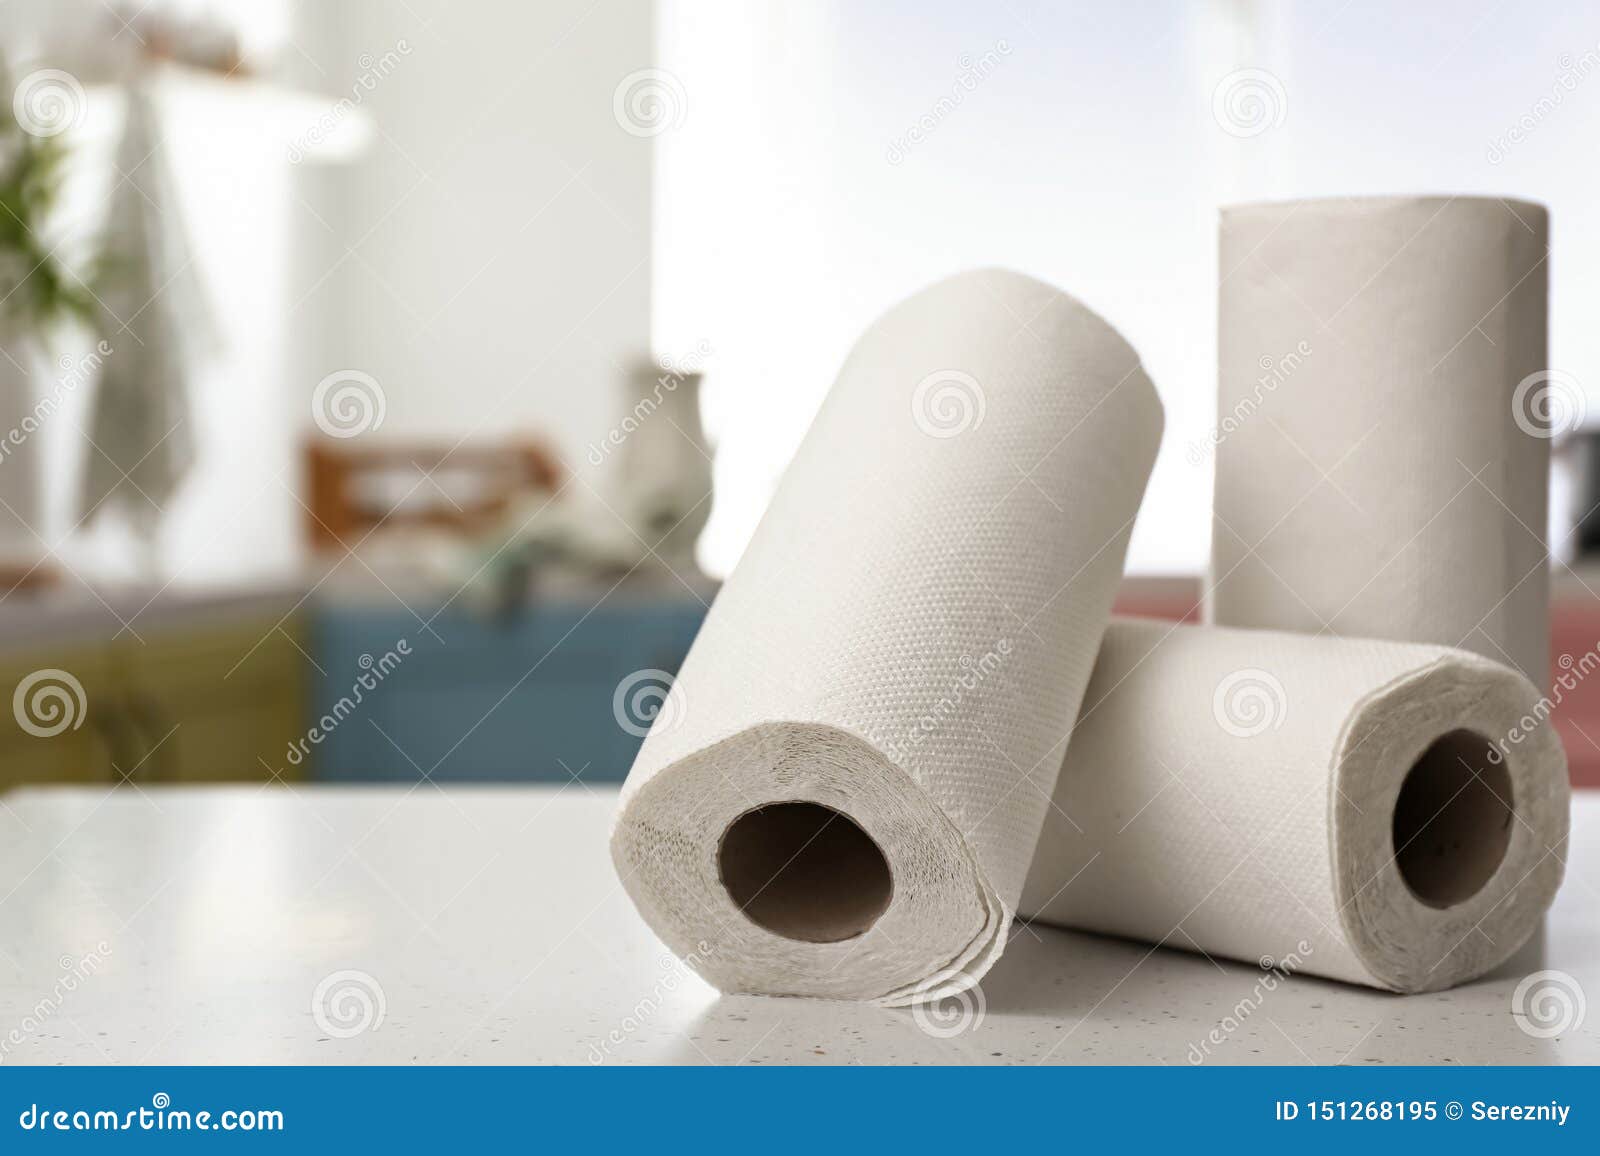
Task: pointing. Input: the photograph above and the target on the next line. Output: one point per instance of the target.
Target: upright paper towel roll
(1385, 813)
(1384, 408)
(841, 794)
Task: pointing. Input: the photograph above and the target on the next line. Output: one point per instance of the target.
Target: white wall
(495, 256)
(488, 260)
(792, 209)
(794, 206)
(222, 144)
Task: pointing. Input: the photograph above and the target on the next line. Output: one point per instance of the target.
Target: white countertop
(195, 925)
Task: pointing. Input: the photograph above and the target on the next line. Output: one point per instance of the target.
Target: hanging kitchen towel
(1385, 406)
(840, 795)
(154, 315)
(1386, 813)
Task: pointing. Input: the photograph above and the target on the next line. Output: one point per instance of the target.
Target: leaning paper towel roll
(841, 794)
(1384, 410)
(1400, 809)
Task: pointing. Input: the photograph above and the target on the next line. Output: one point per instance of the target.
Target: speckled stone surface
(243, 925)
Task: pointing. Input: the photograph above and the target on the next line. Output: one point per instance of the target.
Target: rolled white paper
(1385, 813)
(841, 794)
(1385, 406)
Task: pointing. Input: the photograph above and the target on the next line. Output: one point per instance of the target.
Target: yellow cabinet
(213, 703)
(217, 704)
(60, 723)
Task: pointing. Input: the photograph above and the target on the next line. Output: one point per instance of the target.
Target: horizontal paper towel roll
(841, 793)
(1399, 809)
(1384, 407)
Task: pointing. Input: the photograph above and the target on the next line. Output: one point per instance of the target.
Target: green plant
(35, 287)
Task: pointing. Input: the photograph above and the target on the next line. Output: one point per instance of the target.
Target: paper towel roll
(841, 793)
(1384, 406)
(1385, 813)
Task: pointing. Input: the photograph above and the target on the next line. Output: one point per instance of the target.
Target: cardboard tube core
(1452, 820)
(804, 871)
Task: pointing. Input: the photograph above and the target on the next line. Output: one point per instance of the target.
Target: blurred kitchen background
(387, 383)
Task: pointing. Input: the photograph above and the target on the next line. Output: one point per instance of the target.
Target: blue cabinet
(479, 700)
